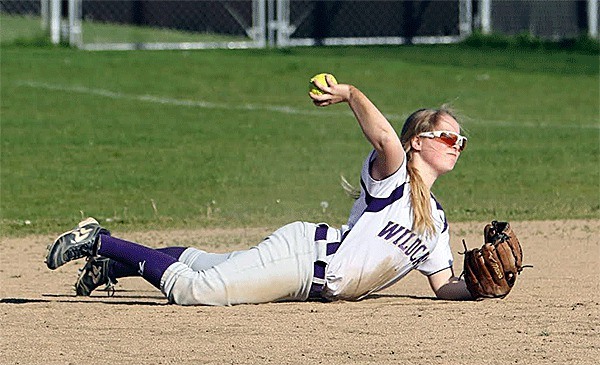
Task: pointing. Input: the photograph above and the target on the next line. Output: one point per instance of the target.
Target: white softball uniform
(303, 260)
(280, 268)
(380, 247)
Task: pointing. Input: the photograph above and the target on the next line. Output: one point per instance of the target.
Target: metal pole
(44, 14)
(283, 22)
(75, 23)
(258, 22)
(485, 8)
(465, 16)
(55, 21)
(593, 18)
(271, 25)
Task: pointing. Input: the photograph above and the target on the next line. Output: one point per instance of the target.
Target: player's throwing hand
(326, 91)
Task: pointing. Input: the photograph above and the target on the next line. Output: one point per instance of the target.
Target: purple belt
(319, 266)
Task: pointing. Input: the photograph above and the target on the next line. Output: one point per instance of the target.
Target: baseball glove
(491, 271)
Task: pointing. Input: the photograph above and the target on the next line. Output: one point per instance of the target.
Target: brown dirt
(551, 316)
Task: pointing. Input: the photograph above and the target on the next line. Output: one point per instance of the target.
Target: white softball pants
(280, 268)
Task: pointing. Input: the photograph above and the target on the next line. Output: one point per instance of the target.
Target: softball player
(395, 226)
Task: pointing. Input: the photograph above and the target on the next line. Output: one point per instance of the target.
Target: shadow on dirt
(70, 299)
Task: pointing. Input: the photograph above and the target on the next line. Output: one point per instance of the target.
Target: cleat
(81, 241)
(94, 273)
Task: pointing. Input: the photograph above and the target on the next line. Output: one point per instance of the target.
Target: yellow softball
(321, 78)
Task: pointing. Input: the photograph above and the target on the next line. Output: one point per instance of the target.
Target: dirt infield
(550, 317)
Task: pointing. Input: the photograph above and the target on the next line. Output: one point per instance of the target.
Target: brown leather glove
(491, 271)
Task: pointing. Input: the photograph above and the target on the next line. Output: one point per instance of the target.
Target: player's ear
(416, 143)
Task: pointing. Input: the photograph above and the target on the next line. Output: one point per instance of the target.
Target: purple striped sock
(151, 263)
(118, 269)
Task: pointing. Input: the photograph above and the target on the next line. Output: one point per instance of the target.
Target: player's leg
(99, 271)
(103, 271)
(148, 262)
(199, 260)
(279, 268)
(196, 259)
(117, 270)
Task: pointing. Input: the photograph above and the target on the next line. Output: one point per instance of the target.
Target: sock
(151, 263)
(118, 269)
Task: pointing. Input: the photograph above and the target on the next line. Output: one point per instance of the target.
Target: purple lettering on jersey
(407, 241)
(391, 230)
(407, 236)
(413, 247)
(420, 260)
(413, 255)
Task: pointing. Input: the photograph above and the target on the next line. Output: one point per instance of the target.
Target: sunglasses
(449, 138)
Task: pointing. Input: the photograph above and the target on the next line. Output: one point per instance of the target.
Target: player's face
(437, 153)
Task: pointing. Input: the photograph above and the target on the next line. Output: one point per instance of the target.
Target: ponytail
(420, 200)
(422, 120)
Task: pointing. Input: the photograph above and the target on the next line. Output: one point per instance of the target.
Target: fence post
(55, 21)
(271, 23)
(283, 22)
(45, 14)
(593, 18)
(485, 9)
(465, 13)
(259, 21)
(75, 22)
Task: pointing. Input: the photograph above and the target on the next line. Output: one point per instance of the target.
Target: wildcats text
(408, 242)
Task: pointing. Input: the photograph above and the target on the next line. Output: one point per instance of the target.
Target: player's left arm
(447, 286)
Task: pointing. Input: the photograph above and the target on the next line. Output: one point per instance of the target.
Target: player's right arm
(376, 128)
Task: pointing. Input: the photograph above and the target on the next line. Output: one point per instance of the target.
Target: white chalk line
(265, 107)
(172, 101)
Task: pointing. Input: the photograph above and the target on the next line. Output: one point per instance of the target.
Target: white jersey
(380, 247)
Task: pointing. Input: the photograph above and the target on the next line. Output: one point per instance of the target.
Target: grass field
(227, 146)
(15, 28)
(22, 29)
(229, 138)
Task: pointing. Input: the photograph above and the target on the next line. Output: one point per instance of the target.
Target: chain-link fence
(549, 19)
(147, 24)
(373, 22)
(171, 24)
(21, 8)
(168, 24)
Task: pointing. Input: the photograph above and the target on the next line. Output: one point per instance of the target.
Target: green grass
(19, 29)
(79, 134)
(583, 44)
(95, 32)
(24, 30)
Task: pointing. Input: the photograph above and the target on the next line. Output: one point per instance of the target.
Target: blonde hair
(422, 120)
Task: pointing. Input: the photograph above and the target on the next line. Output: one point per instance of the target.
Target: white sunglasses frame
(461, 141)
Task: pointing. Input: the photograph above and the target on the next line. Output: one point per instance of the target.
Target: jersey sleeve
(440, 258)
(381, 188)
(371, 188)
